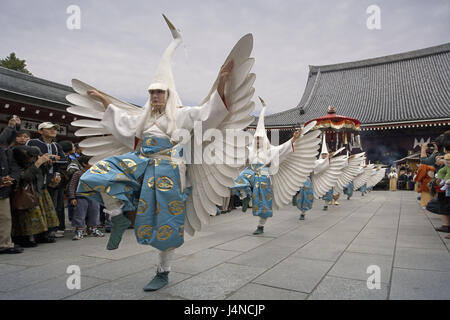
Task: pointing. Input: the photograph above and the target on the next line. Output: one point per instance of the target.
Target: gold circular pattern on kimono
(122, 176)
(248, 176)
(310, 197)
(268, 196)
(151, 183)
(150, 142)
(100, 189)
(164, 232)
(164, 183)
(257, 185)
(173, 164)
(181, 231)
(158, 208)
(253, 196)
(145, 231)
(128, 165)
(265, 209)
(85, 186)
(100, 167)
(264, 185)
(142, 207)
(176, 207)
(157, 162)
(255, 207)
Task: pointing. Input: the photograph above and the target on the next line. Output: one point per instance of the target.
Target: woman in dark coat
(35, 221)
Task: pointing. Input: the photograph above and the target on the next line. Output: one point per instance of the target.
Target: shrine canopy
(336, 123)
(340, 131)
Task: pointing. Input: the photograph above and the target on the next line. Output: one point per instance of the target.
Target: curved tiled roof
(410, 86)
(36, 88)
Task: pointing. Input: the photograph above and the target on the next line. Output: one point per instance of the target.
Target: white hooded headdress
(324, 145)
(163, 80)
(262, 134)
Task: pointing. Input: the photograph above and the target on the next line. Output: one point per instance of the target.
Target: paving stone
(353, 265)
(121, 268)
(215, 284)
(203, 260)
(128, 288)
(417, 241)
(32, 275)
(321, 250)
(259, 292)
(419, 285)
(244, 243)
(52, 289)
(7, 268)
(372, 246)
(264, 256)
(333, 288)
(294, 273)
(426, 259)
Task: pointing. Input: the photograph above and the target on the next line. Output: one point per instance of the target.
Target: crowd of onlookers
(433, 178)
(39, 178)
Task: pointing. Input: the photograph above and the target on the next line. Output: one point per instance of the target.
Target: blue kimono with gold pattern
(146, 181)
(304, 198)
(255, 181)
(348, 189)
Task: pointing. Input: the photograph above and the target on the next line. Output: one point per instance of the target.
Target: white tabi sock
(262, 222)
(165, 260)
(113, 207)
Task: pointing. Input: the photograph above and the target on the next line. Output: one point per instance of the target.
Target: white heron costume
(170, 195)
(275, 173)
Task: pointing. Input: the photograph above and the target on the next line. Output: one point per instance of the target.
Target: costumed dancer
(304, 198)
(349, 172)
(138, 162)
(275, 173)
(360, 181)
(326, 173)
(377, 174)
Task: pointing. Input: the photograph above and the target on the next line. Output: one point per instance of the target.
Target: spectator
(423, 178)
(22, 138)
(441, 204)
(9, 174)
(30, 223)
(52, 178)
(83, 206)
(9, 133)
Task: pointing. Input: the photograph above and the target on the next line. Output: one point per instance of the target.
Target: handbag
(23, 198)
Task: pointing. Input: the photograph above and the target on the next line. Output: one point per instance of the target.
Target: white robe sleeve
(211, 114)
(121, 124)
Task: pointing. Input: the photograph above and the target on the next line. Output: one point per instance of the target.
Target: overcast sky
(120, 43)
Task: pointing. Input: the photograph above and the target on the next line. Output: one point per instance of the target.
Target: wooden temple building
(399, 99)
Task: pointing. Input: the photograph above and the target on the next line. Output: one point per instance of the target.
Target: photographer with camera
(53, 173)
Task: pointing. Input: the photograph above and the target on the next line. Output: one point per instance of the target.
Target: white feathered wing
(349, 172)
(102, 143)
(327, 179)
(296, 167)
(211, 181)
(363, 177)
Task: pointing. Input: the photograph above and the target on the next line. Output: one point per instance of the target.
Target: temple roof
(401, 88)
(33, 89)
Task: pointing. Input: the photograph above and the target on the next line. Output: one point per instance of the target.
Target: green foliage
(14, 63)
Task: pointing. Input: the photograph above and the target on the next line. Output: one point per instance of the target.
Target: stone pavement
(324, 257)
